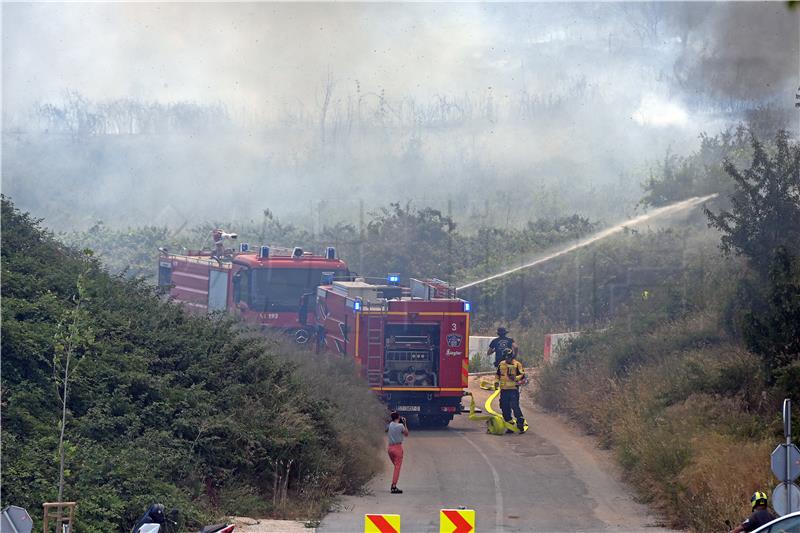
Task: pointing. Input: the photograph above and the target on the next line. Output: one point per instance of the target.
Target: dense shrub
(194, 412)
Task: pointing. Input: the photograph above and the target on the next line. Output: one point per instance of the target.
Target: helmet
(508, 352)
(501, 331)
(758, 498)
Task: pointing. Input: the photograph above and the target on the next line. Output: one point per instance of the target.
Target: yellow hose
(494, 420)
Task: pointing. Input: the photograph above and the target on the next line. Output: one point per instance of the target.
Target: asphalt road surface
(550, 479)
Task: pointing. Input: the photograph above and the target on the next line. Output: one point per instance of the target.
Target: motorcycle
(155, 520)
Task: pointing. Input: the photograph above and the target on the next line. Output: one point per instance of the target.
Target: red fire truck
(272, 286)
(410, 343)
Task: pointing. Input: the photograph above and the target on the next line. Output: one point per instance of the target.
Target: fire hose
(494, 420)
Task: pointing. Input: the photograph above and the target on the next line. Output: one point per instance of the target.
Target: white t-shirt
(396, 432)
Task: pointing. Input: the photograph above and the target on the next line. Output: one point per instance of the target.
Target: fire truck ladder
(375, 348)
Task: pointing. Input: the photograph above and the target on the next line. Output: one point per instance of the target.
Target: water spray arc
(661, 211)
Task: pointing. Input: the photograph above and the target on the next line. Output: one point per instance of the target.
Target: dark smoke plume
(741, 51)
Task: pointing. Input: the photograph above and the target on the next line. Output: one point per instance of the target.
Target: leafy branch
(74, 341)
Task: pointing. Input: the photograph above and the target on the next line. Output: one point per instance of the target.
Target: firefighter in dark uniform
(760, 516)
(499, 344)
(510, 375)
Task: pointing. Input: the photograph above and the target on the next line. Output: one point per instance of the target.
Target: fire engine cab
(272, 286)
(409, 343)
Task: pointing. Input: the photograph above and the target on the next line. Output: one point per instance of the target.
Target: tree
(675, 181)
(413, 242)
(764, 225)
(773, 328)
(74, 341)
(765, 206)
(700, 173)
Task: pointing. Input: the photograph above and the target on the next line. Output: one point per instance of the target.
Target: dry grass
(721, 475)
(681, 409)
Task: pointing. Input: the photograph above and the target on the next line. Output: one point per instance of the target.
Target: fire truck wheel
(301, 336)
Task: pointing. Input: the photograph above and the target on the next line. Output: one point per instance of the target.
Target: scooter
(154, 520)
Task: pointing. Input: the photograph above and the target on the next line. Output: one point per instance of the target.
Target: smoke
(742, 51)
(257, 56)
(162, 112)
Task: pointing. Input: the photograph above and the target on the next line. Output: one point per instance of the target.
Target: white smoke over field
(175, 112)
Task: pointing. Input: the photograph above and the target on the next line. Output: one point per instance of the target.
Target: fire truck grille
(408, 355)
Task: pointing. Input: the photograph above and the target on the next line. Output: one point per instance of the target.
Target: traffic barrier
(381, 523)
(456, 520)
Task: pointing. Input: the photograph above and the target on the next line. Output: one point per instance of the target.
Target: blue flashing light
(394, 279)
(244, 247)
(330, 252)
(467, 307)
(264, 252)
(357, 305)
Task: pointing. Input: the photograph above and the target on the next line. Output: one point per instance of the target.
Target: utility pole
(311, 205)
(361, 236)
(594, 289)
(577, 291)
(487, 253)
(449, 239)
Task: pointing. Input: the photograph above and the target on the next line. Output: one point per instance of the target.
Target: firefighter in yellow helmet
(510, 376)
(760, 516)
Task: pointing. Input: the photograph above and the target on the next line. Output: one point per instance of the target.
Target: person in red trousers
(397, 430)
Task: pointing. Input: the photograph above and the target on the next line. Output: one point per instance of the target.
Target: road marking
(498, 495)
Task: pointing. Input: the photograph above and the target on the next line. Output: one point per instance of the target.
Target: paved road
(550, 479)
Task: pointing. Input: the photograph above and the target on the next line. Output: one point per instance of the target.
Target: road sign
(381, 523)
(779, 498)
(456, 521)
(15, 519)
(778, 460)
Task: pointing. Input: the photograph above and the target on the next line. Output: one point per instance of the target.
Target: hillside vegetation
(686, 383)
(195, 412)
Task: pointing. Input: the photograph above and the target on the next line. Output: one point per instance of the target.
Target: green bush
(481, 362)
(195, 412)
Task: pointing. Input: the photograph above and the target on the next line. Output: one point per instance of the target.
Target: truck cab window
(241, 286)
(164, 273)
(280, 289)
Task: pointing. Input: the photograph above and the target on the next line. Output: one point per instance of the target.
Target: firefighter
(760, 516)
(499, 345)
(509, 377)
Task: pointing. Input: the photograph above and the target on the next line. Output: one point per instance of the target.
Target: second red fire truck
(270, 286)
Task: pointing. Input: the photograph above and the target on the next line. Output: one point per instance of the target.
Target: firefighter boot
(521, 425)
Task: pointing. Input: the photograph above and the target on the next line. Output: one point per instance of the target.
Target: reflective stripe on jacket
(510, 374)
